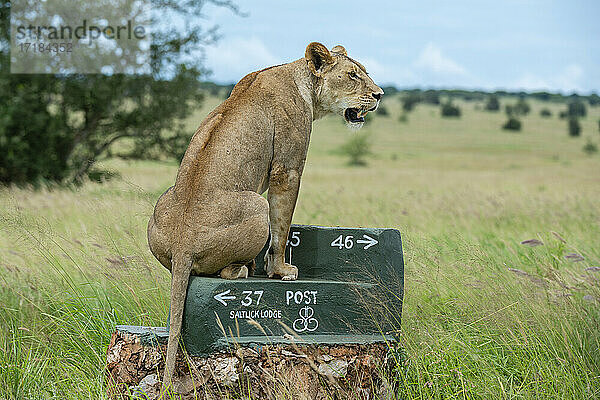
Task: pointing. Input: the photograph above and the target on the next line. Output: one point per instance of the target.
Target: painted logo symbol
(306, 322)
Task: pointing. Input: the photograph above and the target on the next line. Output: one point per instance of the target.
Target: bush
(522, 107)
(574, 127)
(390, 90)
(403, 118)
(409, 101)
(492, 103)
(513, 124)
(383, 111)
(590, 147)
(228, 90)
(562, 115)
(450, 110)
(545, 113)
(576, 108)
(543, 96)
(431, 97)
(357, 148)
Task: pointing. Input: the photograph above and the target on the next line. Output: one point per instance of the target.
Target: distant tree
(513, 124)
(493, 104)
(576, 108)
(390, 90)
(382, 110)
(590, 147)
(212, 88)
(594, 99)
(357, 148)
(522, 107)
(574, 127)
(229, 89)
(545, 113)
(410, 100)
(431, 97)
(450, 110)
(543, 96)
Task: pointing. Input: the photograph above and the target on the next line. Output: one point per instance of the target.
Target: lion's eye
(353, 75)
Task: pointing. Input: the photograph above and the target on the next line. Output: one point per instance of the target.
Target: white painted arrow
(370, 241)
(221, 297)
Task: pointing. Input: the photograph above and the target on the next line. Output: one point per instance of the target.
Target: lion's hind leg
(238, 232)
(234, 271)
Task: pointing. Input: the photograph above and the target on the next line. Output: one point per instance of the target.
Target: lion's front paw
(288, 272)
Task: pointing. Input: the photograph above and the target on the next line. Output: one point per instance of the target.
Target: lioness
(214, 220)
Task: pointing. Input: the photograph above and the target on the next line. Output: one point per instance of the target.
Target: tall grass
(63, 293)
(484, 315)
(486, 330)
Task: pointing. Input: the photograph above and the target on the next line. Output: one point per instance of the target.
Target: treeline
(434, 96)
(217, 90)
(430, 95)
(514, 104)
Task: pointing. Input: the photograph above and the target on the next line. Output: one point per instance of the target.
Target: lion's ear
(339, 49)
(318, 58)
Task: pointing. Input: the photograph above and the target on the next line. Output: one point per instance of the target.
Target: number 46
(341, 243)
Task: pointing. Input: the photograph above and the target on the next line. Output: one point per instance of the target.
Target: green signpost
(349, 290)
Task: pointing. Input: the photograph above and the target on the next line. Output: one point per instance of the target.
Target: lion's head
(344, 87)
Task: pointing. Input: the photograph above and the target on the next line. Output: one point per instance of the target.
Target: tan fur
(214, 219)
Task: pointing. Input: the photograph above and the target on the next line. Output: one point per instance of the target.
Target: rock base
(275, 371)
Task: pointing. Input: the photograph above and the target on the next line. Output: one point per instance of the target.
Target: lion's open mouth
(354, 115)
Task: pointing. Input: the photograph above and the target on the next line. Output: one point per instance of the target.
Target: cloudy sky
(509, 44)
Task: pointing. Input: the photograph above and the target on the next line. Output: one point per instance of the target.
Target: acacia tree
(56, 127)
(492, 104)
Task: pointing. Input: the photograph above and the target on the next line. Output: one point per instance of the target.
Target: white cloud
(385, 74)
(567, 80)
(530, 82)
(430, 68)
(374, 67)
(234, 57)
(432, 59)
(570, 78)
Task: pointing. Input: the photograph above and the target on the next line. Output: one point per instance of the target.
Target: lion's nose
(377, 96)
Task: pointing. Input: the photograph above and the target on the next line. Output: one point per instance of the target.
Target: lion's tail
(181, 269)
